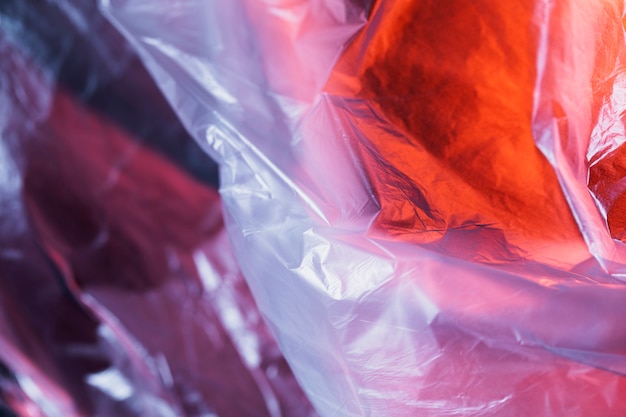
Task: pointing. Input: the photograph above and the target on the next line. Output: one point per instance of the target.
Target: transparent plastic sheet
(120, 295)
(426, 197)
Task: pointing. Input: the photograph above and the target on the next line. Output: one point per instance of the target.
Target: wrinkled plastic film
(424, 199)
(112, 302)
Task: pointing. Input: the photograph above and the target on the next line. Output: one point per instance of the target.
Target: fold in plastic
(426, 197)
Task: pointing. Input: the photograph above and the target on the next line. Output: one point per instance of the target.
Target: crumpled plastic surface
(120, 294)
(425, 197)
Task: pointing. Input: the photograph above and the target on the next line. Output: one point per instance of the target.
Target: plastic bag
(426, 197)
(120, 294)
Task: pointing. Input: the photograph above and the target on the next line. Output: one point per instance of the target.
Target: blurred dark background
(89, 59)
(95, 63)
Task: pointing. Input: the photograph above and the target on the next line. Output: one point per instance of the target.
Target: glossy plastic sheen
(426, 197)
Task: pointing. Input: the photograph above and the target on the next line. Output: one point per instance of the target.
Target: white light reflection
(210, 278)
(113, 383)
